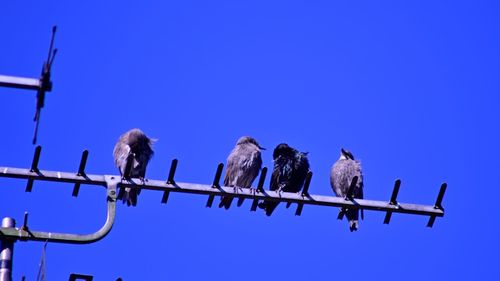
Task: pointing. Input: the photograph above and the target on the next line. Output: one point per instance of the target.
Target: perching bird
(243, 166)
(135, 145)
(342, 173)
(289, 173)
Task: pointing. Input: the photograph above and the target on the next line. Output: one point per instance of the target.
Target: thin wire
(41, 269)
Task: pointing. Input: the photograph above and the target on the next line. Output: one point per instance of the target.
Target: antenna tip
(54, 28)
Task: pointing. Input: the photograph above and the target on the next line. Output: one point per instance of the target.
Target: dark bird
(289, 173)
(341, 176)
(137, 147)
(243, 166)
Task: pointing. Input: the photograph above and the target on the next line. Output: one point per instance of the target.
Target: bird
(289, 173)
(243, 165)
(342, 174)
(137, 147)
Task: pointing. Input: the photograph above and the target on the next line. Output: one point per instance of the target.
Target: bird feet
(280, 192)
(252, 191)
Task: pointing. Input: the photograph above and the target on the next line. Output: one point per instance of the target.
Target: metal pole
(20, 82)
(6, 252)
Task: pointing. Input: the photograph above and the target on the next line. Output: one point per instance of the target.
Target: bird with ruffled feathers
(341, 176)
(243, 165)
(289, 173)
(137, 147)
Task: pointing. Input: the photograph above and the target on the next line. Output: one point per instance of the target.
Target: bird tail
(352, 217)
(225, 201)
(268, 207)
(130, 196)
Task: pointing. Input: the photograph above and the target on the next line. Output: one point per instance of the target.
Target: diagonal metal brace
(24, 234)
(34, 167)
(215, 184)
(438, 205)
(305, 193)
(170, 180)
(81, 172)
(260, 188)
(393, 200)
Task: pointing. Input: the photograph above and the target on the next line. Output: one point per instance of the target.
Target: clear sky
(410, 87)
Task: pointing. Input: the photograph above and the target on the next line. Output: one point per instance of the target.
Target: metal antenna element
(305, 193)
(45, 83)
(81, 172)
(170, 180)
(34, 167)
(41, 84)
(393, 200)
(438, 205)
(75, 277)
(112, 183)
(215, 184)
(25, 222)
(260, 188)
(216, 190)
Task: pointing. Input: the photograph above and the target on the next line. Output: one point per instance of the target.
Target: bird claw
(280, 192)
(253, 191)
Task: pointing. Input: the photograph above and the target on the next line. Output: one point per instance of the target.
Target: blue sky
(410, 87)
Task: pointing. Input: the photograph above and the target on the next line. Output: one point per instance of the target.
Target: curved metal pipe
(28, 235)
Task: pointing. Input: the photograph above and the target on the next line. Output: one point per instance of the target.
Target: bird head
(346, 154)
(283, 149)
(249, 140)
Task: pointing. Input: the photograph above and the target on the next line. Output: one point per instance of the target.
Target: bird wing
(251, 169)
(143, 152)
(120, 153)
(230, 170)
(358, 192)
(338, 179)
(301, 167)
(274, 184)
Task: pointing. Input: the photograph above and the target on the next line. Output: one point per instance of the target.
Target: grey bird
(341, 176)
(243, 166)
(137, 147)
(289, 173)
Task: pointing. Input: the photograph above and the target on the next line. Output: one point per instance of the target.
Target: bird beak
(262, 147)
